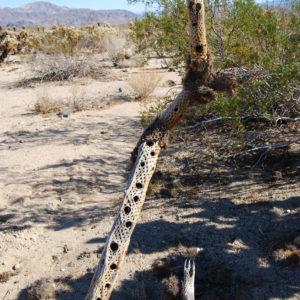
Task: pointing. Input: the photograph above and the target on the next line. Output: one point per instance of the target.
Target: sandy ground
(61, 181)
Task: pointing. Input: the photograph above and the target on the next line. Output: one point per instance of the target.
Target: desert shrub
(62, 67)
(70, 40)
(77, 101)
(144, 84)
(4, 46)
(118, 48)
(45, 105)
(244, 33)
(12, 41)
(165, 32)
(240, 33)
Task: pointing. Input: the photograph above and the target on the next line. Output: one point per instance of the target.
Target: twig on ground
(278, 119)
(260, 147)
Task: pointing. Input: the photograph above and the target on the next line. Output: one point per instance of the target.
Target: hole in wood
(191, 5)
(114, 246)
(150, 143)
(139, 185)
(113, 266)
(128, 224)
(142, 164)
(195, 24)
(198, 7)
(176, 109)
(152, 153)
(107, 285)
(199, 48)
(136, 198)
(127, 210)
(98, 298)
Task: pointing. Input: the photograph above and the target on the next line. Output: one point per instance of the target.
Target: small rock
(120, 90)
(170, 83)
(65, 112)
(17, 267)
(33, 238)
(66, 249)
(55, 258)
(62, 269)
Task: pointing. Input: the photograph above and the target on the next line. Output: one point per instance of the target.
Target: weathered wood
(118, 239)
(198, 43)
(145, 157)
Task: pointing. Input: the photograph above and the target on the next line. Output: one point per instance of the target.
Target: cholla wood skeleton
(200, 86)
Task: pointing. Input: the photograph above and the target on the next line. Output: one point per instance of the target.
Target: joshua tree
(201, 85)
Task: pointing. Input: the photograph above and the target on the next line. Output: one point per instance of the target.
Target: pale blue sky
(93, 4)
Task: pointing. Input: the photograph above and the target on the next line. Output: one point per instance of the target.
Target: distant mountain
(47, 14)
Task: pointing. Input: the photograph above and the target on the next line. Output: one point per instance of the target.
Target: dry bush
(121, 51)
(115, 47)
(144, 84)
(62, 67)
(76, 102)
(45, 104)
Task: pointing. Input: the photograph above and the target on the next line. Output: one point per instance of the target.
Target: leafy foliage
(240, 33)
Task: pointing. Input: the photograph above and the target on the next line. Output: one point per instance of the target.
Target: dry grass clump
(45, 105)
(76, 102)
(144, 84)
(118, 48)
(62, 67)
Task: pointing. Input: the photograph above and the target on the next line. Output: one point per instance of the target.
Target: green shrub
(240, 33)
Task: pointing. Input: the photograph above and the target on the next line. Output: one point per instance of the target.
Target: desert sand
(61, 182)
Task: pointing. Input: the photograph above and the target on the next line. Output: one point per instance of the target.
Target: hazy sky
(93, 4)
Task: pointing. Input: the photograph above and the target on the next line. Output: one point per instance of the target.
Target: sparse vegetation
(241, 34)
(228, 183)
(76, 102)
(144, 84)
(61, 67)
(46, 105)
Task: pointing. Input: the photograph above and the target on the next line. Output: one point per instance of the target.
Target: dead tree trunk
(200, 86)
